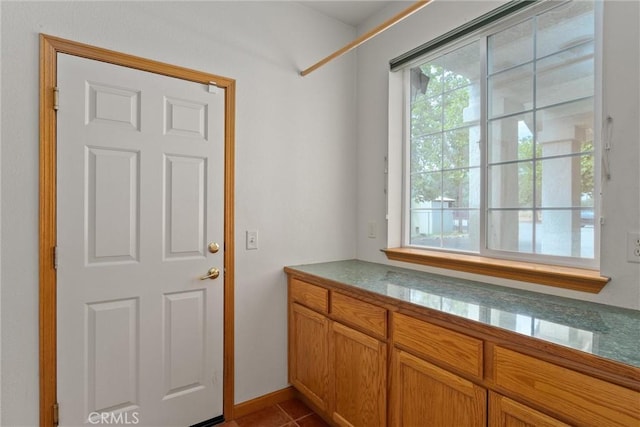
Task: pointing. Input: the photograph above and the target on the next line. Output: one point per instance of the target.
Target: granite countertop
(602, 330)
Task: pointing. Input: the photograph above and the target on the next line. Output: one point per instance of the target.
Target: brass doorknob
(213, 273)
(213, 247)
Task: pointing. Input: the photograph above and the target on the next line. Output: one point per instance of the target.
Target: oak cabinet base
(504, 412)
(340, 370)
(426, 395)
(359, 378)
(583, 399)
(309, 366)
(346, 349)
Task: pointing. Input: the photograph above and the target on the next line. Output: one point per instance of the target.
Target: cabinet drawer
(450, 348)
(359, 313)
(310, 295)
(504, 412)
(583, 399)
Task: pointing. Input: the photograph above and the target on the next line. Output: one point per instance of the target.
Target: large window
(501, 140)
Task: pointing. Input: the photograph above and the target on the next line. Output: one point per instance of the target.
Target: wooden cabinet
(359, 378)
(345, 352)
(579, 397)
(309, 354)
(424, 390)
(312, 296)
(341, 370)
(351, 311)
(426, 395)
(569, 395)
(504, 412)
(445, 347)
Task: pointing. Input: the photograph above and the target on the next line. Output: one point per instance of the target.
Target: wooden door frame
(49, 48)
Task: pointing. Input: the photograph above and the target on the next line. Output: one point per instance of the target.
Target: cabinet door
(359, 378)
(425, 395)
(585, 400)
(309, 354)
(504, 412)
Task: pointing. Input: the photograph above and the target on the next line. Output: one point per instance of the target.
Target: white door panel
(140, 196)
(112, 353)
(184, 210)
(112, 198)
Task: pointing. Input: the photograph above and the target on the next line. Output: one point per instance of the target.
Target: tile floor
(292, 413)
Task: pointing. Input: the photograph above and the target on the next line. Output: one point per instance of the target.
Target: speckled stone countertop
(605, 331)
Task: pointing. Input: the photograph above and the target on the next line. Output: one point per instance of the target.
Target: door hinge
(56, 98)
(56, 414)
(55, 257)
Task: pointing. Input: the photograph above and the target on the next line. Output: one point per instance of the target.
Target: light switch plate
(252, 239)
(372, 230)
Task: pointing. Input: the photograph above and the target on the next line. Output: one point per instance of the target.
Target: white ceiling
(350, 12)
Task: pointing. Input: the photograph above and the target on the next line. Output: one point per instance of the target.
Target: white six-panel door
(140, 165)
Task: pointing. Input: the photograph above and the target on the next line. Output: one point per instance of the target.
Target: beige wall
(295, 153)
(310, 171)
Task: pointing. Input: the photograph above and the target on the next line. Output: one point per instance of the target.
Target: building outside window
(501, 140)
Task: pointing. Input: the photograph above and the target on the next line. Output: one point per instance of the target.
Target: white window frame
(482, 35)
